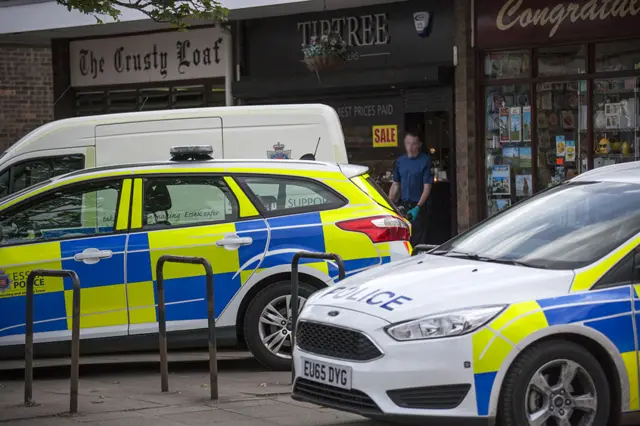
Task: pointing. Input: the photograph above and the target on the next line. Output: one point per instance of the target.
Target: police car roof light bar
(193, 152)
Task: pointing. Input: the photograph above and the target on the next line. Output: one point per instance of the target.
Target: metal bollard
(162, 321)
(75, 336)
(423, 248)
(295, 290)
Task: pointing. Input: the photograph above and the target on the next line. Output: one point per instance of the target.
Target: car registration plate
(324, 372)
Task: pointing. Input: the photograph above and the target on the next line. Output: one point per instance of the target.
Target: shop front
(143, 72)
(398, 78)
(559, 83)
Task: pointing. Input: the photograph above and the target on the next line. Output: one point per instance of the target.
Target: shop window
(90, 103)
(509, 64)
(561, 125)
(562, 60)
(616, 121)
(122, 101)
(216, 96)
(156, 98)
(508, 145)
(617, 56)
(189, 97)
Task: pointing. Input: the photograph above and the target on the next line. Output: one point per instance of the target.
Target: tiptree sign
(168, 56)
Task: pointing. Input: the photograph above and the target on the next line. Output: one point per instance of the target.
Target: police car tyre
(277, 295)
(555, 383)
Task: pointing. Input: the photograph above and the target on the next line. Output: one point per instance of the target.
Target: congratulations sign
(504, 23)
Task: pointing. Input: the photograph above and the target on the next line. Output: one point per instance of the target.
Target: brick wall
(26, 91)
(465, 127)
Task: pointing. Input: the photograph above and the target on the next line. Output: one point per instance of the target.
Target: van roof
(125, 117)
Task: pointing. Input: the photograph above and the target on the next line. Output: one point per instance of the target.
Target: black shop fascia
(399, 78)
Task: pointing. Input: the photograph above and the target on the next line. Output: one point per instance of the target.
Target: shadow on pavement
(133, 367)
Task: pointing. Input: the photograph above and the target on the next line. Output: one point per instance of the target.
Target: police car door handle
(92, 255)
(233, 242)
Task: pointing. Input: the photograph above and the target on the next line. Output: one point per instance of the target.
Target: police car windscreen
(566, 227)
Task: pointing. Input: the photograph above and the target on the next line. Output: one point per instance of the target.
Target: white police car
(528, 318)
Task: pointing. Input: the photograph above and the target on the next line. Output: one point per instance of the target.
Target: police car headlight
(446, 324)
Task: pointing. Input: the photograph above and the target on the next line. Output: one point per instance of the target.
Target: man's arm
(427, 180)
(394, 192)
(426, 190)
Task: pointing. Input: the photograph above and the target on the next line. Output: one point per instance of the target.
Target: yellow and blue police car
(248, 218)
(528, 319)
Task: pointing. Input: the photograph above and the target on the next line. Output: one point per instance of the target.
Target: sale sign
(385, 136)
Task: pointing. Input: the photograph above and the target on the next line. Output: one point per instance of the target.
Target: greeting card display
(568, 120)
(502, 203)
(501, 180)
(510, 154)
(560, 146)
(515, 124)
(523, 185)
(570, 150)
(526, 124)
(525, 156)
(504, 124)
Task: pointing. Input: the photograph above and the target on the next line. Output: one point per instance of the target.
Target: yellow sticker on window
(385, 136)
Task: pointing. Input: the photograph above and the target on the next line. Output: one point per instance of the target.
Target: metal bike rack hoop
(75, 335)
(295, 290)
(162, 320)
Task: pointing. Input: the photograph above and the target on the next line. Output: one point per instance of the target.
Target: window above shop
(562, 60)
(617, 56)
(507, 65)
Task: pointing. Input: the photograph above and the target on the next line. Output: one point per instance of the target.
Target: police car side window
(623, 273)
(74, 212)
(289, 195)
(4, 183)
(190, 200)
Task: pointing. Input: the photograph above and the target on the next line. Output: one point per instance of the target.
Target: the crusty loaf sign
(503, 23)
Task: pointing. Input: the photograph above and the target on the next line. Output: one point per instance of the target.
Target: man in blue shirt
(412, 181)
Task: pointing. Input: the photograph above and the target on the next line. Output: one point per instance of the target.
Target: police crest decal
(279, 153)
(422, 23)
(5, 282)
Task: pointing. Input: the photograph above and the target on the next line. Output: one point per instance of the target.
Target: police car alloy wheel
(267, 324)
(555, 383)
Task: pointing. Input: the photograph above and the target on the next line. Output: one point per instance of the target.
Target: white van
(248, 132)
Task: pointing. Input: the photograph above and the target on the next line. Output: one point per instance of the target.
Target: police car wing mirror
(423, 248)
(191, 153)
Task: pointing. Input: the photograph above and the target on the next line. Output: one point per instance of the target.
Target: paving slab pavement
(122, 393)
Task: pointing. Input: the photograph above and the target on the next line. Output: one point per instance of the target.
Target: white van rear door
(143, 141)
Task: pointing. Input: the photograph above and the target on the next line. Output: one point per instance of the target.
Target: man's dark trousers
(419, 225)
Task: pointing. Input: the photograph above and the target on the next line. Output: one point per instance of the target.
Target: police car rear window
(277, 195)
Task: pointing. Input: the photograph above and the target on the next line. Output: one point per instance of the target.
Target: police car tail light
(379, 229)
(446, 324)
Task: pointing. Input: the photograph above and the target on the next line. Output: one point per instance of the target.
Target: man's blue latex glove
(413, 213)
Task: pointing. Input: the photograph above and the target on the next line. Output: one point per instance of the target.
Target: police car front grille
(333, 397)
(335, 342)
(443, 397)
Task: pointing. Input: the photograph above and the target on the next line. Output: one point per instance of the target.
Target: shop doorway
(435, 130)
